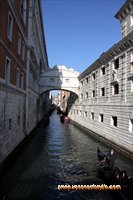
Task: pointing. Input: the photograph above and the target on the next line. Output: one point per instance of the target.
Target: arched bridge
(59, 78)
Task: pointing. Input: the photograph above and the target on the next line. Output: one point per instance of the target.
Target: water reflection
(58, 154)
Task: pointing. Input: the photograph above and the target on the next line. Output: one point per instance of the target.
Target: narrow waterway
(57, 154)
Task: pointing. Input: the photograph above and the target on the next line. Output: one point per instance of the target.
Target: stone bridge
(59, 78)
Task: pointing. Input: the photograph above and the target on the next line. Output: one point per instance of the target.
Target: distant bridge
(59, 78)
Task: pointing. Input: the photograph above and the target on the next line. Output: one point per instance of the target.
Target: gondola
(114, 176)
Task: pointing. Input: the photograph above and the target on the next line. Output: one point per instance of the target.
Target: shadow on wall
(71, 100)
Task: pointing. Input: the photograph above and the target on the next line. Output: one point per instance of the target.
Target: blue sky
(77, 32)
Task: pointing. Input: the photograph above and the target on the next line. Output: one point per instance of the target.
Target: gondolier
(112, 158)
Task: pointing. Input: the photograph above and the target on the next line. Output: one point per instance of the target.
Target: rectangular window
(116, 63)
(19, 120)
(17, 78)
(22, 81)
(77, 112)
(23, 51)
(116, 89)
(19, 43)
(86, 95)
(102, 71)
(101, 117)
(114, 121)
(51, 79)
(10, 26)
(81, 96)
(67, 80)
(103, 91)
(92, 115)
(23, 10)
(7, 70)
(85, 114)
(87, 80)
(93, 76)
(10, 124)
(93, 93)
(131, 125)
(82, 83)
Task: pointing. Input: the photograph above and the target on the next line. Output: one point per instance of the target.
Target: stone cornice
(9, 88)
(43, 35)
(115, 51)
(124, 10)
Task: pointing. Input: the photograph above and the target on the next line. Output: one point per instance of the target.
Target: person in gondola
(100, 155)
(112, 158)
(117, 175)
(124, 178)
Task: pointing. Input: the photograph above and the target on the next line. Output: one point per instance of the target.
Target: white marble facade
(36, 62)
(105, 103)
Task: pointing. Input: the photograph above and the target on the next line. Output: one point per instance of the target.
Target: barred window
(102, 71)
(93, 76)
(114, 121)
(101, 117)
(92, 115)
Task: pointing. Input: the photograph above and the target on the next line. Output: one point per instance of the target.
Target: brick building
(19, 91)
(13, 59)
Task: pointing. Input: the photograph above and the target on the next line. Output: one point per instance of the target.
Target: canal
(55, 155)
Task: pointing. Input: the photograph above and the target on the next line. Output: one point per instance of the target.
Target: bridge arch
(59, 78)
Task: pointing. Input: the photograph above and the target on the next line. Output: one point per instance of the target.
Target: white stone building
(105, 103)
(37, 61)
